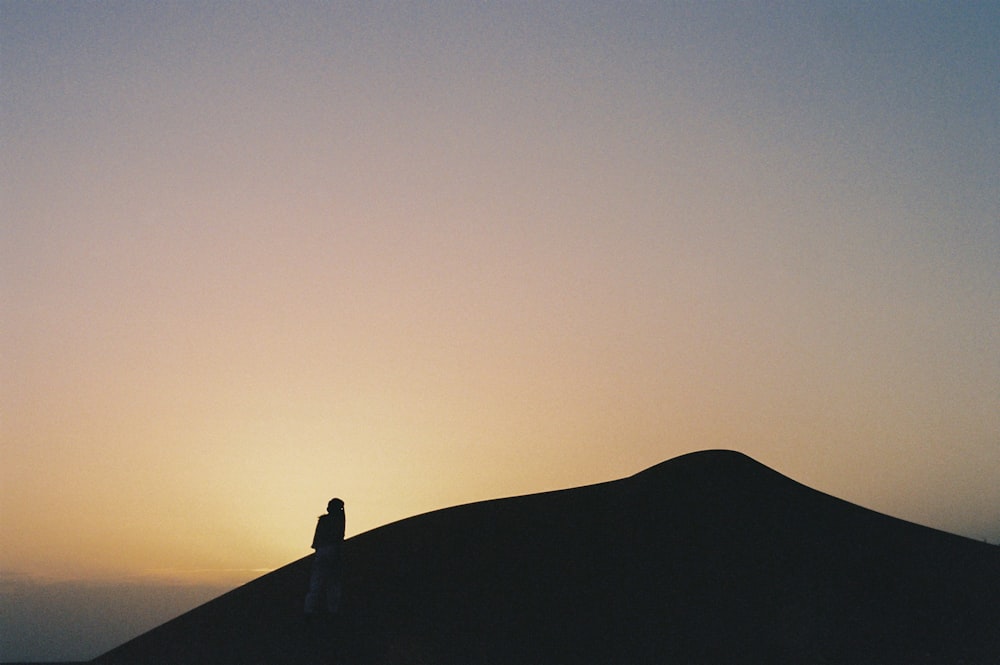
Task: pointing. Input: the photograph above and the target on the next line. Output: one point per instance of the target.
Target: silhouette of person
(327, 569)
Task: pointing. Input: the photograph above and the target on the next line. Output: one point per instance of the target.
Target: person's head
(334, 505)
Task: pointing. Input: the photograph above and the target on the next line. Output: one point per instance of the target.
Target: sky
(256, 255)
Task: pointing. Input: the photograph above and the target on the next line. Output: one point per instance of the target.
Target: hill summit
(710, 557)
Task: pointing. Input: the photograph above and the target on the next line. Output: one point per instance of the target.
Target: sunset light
(257, 255)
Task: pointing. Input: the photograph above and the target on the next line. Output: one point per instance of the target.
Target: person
(325, 582)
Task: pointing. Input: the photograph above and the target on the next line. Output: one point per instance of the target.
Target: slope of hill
(709, 557)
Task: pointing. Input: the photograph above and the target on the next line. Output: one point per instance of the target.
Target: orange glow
(249, 268)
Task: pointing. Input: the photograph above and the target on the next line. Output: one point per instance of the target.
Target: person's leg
(334, 582)
(333, 596)
(317, 584)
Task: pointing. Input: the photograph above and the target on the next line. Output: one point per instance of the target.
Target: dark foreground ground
(707, 558)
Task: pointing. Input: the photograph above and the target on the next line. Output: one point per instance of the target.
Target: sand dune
(709, 557)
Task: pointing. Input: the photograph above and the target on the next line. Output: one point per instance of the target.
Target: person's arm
(338, 534)
(317, 534)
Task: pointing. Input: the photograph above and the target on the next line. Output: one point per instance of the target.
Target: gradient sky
(415, 255)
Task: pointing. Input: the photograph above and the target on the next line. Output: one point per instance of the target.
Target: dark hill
(709, 557)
